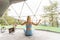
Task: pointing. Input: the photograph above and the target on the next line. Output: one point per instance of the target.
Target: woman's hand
(36, 23)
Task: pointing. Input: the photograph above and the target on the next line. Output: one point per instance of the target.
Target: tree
(52, 13)
(10, 19)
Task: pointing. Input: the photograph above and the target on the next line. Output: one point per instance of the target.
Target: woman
(28, 31)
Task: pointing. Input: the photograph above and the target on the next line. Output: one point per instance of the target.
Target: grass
(49, 28)
(54, 29)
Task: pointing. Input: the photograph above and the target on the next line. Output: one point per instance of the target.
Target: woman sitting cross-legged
(28, 31)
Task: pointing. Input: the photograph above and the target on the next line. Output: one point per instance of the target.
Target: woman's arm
(23, 23)
(36, 23)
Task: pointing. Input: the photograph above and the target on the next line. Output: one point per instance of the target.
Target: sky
(29, 8)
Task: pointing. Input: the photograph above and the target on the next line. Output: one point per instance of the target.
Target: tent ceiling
(4, 4)
(15, 1)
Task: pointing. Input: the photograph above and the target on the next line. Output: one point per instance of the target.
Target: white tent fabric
(33, 8)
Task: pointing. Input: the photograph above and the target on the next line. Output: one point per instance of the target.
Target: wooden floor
(37, 35)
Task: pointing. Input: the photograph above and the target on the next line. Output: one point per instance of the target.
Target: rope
(22, 8)
(14, 10)
(38, 6)
(37, 10)
(50, 1)
(29, 7)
